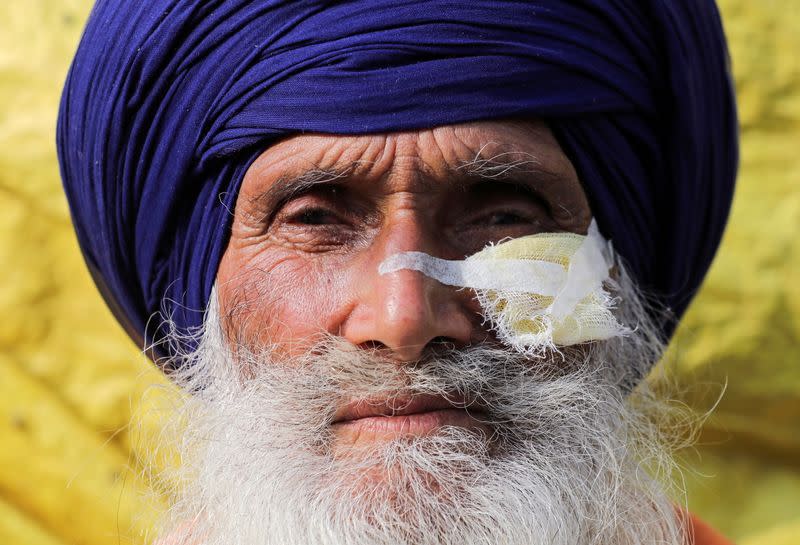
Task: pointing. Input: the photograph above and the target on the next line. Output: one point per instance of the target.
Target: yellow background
(70, 380)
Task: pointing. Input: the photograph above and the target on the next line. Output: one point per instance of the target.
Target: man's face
(331, 404)
(316, 216)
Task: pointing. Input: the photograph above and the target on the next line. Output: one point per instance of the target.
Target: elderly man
(411, 260)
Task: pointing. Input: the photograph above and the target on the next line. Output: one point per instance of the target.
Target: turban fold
(168, 102)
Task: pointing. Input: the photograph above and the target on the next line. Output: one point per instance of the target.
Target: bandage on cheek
(537, 292)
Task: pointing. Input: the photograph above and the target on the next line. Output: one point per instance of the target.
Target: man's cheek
(289, 302)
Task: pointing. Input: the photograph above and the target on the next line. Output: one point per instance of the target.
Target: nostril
(437, 346)
(444, 344)
(373, 346)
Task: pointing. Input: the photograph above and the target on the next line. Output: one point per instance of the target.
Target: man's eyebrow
(506, 165)
(287, 187)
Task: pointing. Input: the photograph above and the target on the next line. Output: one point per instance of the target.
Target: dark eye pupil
(314, 217)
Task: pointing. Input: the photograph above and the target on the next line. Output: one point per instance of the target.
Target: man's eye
(314, 216)
(505, 218)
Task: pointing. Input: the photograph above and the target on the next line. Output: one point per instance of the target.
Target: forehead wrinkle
(363, 157)
(411, 174)
(424, 163)
(293, 169)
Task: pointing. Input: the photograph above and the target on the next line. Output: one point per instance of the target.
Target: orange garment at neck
(704, 534)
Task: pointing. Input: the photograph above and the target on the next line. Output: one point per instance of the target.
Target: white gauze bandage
(538, 292)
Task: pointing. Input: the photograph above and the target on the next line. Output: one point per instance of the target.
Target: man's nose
(404, 312)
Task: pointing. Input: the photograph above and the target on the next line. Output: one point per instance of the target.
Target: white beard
(564, 466)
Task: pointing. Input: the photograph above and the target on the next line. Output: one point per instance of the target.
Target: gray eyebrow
(499, 166)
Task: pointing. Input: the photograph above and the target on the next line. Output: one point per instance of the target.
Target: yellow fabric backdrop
(70, 380)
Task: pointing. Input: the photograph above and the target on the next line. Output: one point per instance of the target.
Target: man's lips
(416, 415)
(394, 406)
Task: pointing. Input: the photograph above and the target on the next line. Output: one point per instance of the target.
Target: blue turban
(168, 102)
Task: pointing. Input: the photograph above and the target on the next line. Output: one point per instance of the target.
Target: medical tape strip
(520, 275)
(588, 268)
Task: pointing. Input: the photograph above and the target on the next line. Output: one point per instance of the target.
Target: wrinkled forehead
(524, 142)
